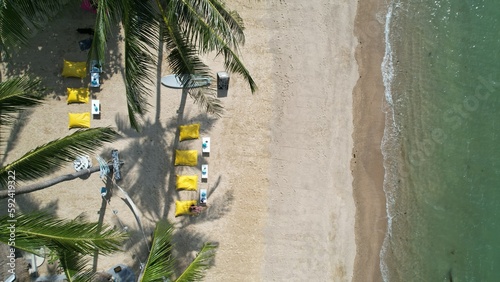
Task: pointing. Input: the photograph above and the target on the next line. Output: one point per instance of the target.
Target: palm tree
(73, 240)
(189, 28)
(70, 240)
(160, 264)
(17, 94)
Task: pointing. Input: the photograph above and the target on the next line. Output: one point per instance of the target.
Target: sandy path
(310, 231)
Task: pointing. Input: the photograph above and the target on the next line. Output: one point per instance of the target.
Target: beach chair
(95, 80)
(187, 182)
(95, 73)
(96, 108)
(203, 197)
(182, 207)
(205, 146)
(95, 66)
(186, 157)
(189, 131)
(204, 172)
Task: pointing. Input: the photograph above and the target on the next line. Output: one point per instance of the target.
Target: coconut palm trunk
(51, 182)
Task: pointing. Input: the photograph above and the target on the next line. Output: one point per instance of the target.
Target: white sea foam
(390, 133)
(387, 65)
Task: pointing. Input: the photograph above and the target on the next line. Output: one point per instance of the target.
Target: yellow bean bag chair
(186, 157)
(182, 207)
(190, 131)
(78, 95)
(187, 182)
(74, 69)
(79, 120)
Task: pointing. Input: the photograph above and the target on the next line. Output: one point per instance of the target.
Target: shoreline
(367, 163)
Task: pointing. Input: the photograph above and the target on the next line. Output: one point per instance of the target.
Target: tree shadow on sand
(13, 132)
(149, 177)
(57, 41)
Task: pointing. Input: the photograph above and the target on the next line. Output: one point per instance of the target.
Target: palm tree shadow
(102, 213)
(59, 40)
(174, 170)
(152, 185)
(15, 131)
(138, 248)
(149, 175)
(43, 56)
(186, 245)
(26, 204)
(144, 176)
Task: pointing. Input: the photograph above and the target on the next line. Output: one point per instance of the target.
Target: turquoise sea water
(442, 141)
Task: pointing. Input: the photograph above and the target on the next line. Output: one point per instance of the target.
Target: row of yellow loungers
(79, 95)
(187, 158)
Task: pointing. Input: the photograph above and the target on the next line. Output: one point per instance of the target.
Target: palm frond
(206, 100)
(75, 266)
(19, 19)
(233, 20)
(233, 64)
(160, 263)
(46, 158)
(41, 229)
(13, 27)
(196, 270)
(200, 18)
(133, 119)
(183, 57)
(17, 94)
(141, 31)
(108, 13)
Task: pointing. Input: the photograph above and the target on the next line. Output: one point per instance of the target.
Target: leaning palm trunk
(47, 158)
(51, 182)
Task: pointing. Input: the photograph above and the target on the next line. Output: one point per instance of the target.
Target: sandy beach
(295, 178)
